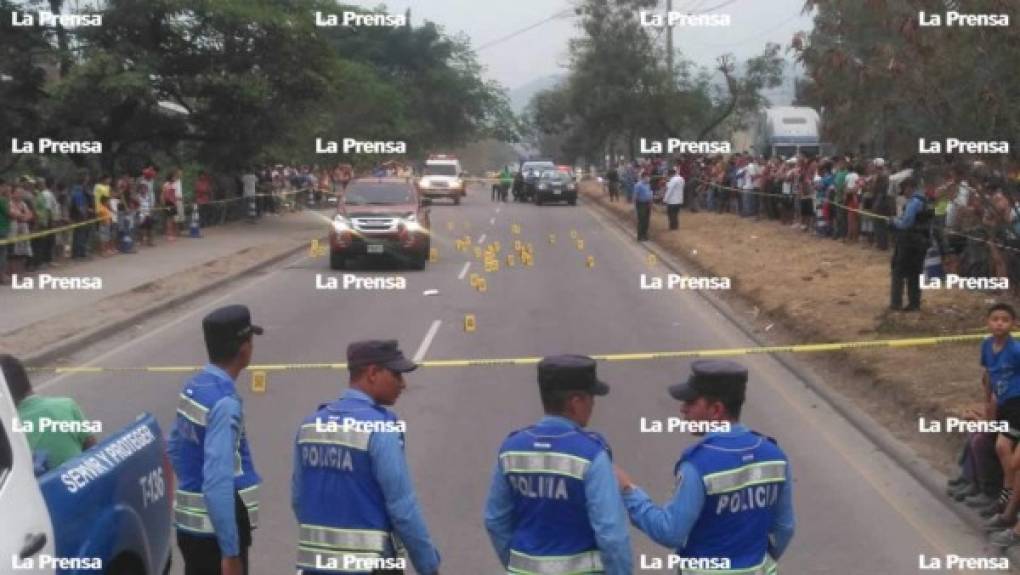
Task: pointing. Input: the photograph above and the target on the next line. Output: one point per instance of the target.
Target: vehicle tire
(419, 260)
(337, 260)
(456, 201)
(572, 201)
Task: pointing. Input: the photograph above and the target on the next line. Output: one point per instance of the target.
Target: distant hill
(522, 95)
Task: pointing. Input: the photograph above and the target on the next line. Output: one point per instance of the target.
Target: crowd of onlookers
(976, 210)
(46, 221)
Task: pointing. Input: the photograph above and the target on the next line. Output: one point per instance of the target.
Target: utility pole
(669, 42)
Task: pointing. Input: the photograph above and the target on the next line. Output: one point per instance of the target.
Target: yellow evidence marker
(433, 255)
(469, 322)
(590, 261)
(258, 382)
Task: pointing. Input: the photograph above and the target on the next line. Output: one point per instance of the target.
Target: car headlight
(411, 223)
(423, 183)
(341, 224)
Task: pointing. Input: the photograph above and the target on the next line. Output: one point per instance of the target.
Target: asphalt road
(857, 511)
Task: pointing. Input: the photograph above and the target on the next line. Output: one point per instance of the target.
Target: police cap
(384, 353)
(228, 326)
(715, 378)
(570, 373)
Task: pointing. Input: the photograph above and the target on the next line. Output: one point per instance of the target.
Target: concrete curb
(933, 480)
(75, 343)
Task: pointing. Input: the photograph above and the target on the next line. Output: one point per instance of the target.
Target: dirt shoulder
(800, 288)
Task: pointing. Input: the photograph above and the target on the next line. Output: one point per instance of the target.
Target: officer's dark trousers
(907, 266)
(673, 213)
(644, 214)
(202, 554)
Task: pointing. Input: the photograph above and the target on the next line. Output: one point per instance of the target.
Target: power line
(714, 8)
(560, 14)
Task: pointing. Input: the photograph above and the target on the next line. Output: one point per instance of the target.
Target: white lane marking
(481, 240)
(167, 326)
(492, 221)
(425, 343)
(498, 209)
(463, 270)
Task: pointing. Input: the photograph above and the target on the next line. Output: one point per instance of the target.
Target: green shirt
(58, 445)
(5, 219)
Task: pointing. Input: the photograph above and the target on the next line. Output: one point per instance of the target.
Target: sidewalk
(33, 319)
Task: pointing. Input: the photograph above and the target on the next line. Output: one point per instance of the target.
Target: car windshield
(555, 176)
(538, 166)
(440, 170)
(378, 194)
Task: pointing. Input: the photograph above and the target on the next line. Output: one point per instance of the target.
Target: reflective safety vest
(743, 475)
(342, 513)
(199, 396)
(545, 467)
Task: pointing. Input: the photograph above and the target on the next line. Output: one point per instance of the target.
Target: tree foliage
(258, 78)
(619, 89)
(883, 81)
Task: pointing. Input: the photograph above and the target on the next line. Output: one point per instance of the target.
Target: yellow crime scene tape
(509, 361)
(54, 231)
(863, 213)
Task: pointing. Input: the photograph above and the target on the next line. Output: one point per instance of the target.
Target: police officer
(733, 507)
(216, 503)
(351, 489)
(913, 236)
(553, 506)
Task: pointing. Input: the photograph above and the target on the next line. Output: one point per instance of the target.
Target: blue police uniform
(733, 508)
(209, 414)
(554, 506)
(216, 496)
(352, 493)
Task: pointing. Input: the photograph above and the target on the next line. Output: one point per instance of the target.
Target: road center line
(425, 343)
(481, 240)
(464, 270)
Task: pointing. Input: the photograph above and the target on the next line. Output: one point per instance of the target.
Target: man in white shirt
(674, 198)
(750, 185)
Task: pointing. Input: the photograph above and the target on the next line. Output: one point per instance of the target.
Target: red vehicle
(380, 217)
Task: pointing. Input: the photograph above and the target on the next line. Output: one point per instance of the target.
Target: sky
(542, 51)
